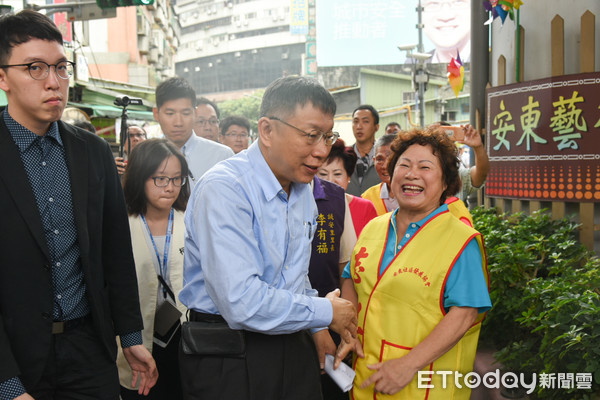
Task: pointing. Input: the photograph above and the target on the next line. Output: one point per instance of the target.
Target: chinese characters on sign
(544, 139)
(299, 17)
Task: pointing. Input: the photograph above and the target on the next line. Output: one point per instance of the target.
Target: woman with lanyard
(156, 193)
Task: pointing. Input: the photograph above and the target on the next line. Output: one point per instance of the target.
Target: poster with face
(368, 32)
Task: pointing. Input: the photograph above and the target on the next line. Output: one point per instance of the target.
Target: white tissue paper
(343, 376)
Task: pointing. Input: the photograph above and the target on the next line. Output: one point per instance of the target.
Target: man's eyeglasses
(242, 136)
(211, 122)
(39, 70)
(163, 181)
(314, 136)
(137, 135)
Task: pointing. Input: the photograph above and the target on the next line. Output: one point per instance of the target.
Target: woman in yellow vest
(419, 282)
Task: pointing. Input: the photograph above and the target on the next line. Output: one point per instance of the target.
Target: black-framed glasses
(314, 136)
(39, 70)
(163, 181)
(211, 122)
(241, 135)
(137, 135)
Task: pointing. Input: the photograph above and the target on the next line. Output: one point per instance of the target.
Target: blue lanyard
(163, 267)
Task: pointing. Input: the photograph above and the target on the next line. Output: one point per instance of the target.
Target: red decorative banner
(543, 139)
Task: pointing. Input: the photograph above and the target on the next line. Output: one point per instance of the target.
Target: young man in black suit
(67, 277)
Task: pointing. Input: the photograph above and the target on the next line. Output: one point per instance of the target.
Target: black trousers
(276, 367)
(78, 368)
(168, 386)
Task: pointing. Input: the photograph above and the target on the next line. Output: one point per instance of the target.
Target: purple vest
(324, 272)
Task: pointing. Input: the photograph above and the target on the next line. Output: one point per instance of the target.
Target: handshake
(345, 321)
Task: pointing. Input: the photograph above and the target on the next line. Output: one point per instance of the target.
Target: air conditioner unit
(153, 56)
(143, 44)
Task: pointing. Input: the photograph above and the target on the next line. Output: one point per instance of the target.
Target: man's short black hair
(204, 100)
(368, 107)
(385, 140)
(16, 29)
(393, 124)
(174, 89)
(283, 95)
(234, 120)
(85, 125)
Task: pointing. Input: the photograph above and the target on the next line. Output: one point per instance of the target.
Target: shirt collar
(440, 209)
(369, 156)
(190, 144)
(23, 137)
(265, 176)
(385, 193)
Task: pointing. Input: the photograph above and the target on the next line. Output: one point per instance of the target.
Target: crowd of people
(198, 266)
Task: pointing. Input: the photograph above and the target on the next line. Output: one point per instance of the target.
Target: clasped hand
(344, 321)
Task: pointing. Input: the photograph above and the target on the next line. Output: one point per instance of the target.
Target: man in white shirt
(175, 112)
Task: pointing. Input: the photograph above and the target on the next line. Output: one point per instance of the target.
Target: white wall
(536, 18)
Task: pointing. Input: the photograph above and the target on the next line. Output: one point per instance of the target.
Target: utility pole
(421, 77)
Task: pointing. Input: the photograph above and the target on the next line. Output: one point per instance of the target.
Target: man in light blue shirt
(249, 226)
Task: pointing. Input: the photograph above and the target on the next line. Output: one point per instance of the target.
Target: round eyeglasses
(39, 70)
(314, 136)
(163, 181)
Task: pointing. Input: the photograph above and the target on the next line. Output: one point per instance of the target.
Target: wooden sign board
(544, 139)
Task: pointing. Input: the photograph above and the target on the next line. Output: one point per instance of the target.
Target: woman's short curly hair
(346, 154)
(443, 148)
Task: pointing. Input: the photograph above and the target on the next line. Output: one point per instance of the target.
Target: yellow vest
(374, 194)
(457, 208)
(399, 309)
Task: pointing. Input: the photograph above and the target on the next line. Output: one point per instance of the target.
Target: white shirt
(390, 203)
(202, 154)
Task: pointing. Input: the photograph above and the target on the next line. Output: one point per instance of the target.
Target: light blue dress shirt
(247, 249)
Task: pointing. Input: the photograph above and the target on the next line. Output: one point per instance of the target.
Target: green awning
(113, 112)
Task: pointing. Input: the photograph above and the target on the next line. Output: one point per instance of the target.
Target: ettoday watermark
(509, 380)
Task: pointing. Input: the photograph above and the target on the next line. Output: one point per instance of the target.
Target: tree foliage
(247, 106)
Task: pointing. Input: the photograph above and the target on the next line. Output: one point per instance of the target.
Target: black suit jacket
(26, 294)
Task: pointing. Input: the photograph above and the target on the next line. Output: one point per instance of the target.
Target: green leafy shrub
(545, 290)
